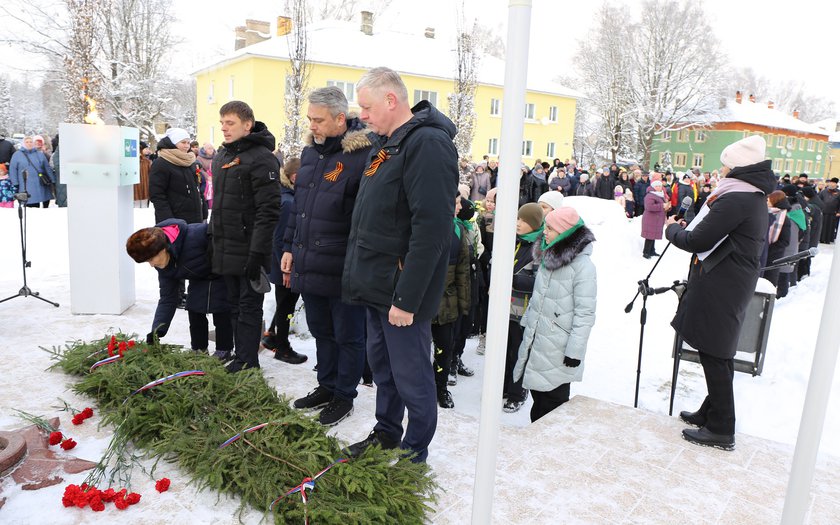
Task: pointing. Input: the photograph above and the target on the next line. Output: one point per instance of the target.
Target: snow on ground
(768, 406)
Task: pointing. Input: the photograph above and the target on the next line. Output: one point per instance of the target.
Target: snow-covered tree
(462, 100)
(5, 107)
(344, 9)
(297, 79)
(603, 62)
(135, 81)
(589, 139)
(786, 96)
(674, 71)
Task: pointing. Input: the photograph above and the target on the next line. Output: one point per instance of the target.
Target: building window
(682, 135)
(680, 159)
(348, 88)
(420, 94)
(769, 140)
(549, 150)
(820, 147)
(697, 160)
(230, 88)
(817, 167)
(780, 141)
(801, 144)
(777, 164)
(552, 116)
(493, 147)
(811, 144)
(699, 136)
(527, 148)
(808, 166)
(495, 105)
(666, 136)
(530, 109)
(789, 166)
(211, 97)
(799, 166)
(791, 143)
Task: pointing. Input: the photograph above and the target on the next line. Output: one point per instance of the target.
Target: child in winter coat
(454, 303)
(529, 225)
(7, 191)
(629, 204)
(561, 312)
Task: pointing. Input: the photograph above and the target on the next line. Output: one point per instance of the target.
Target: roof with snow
(759, 114)
(344, 44)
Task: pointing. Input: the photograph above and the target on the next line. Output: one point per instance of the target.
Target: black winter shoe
(318, 398)
(336, 411)
(444, 398)
(237, 366)
(374, 438)
(693, 418)
(707, 438)
(287, 355)
(223, 355)
(269, 341)
(463, 370)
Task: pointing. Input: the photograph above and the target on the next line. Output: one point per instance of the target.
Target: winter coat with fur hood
(560, 315)
(325, 195)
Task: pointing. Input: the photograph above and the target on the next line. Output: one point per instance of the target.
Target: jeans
(339, 332)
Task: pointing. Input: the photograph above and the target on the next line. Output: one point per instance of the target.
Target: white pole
(504, 240)
(816, 402)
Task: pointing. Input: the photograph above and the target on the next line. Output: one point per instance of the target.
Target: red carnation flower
(96, 504)
(112, 344)
(131, 343)
(55, 438)
(162, 485)
(133, 498)
(121, 503)
(87, 412)
(78, 419)
(108, 495)
(68, 444)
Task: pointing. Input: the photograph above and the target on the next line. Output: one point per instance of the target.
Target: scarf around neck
(177, 157)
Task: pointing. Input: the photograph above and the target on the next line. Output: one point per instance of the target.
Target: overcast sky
(779, 39)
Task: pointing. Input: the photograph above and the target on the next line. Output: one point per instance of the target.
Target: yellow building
(341, 52)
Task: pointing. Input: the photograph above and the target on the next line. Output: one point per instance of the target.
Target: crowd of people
(388, 239)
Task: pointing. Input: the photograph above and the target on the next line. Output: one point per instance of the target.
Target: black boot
(444, 398)
(707, 438)
(693, 418)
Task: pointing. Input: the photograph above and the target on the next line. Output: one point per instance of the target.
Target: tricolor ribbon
(240, 434)
(307, 484)
(167, 379)
(105, 361)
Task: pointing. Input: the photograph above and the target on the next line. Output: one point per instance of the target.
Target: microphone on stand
(684, 206)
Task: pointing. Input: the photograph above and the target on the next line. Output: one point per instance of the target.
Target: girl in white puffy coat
(561, 312)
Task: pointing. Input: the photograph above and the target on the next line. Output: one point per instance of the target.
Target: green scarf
(561, 236)
(457, 229)
(468, 225)
(798, 217)
(531, 237)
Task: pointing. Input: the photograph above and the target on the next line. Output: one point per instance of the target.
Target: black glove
(150, 338)
(253, 266)
(571, 363)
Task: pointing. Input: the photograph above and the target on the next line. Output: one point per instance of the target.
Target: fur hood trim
(355, 138)
(565, 251)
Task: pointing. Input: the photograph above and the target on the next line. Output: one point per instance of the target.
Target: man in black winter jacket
(397, 255)
(316, 243)
(246, 207)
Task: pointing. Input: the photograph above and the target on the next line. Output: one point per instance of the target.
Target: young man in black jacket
(246, 207)
(397, 255)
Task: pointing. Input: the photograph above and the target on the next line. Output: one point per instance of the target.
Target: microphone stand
(25, 291)
(644, 290)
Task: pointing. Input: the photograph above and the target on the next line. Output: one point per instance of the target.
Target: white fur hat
(552, 198)
(745, 152)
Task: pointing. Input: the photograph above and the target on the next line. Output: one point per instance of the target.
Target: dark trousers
(513, 390)
(650, 247)
(286, 300)
(719, 405)
(339, 332)
(45, 204)
(198, 331)
(545, 402)
(402, 370)
(246, 315)
(442, 336)
(461, 332)
(783, 285)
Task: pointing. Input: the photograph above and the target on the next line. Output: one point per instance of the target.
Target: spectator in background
(656, 208)
(640, 191)
(30, 172)
(141, 189)
(205, 159)
(480, 184)
(174, 185)
(55, 162)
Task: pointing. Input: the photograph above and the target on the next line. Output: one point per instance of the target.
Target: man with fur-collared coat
(316, 244)
(727, 238)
